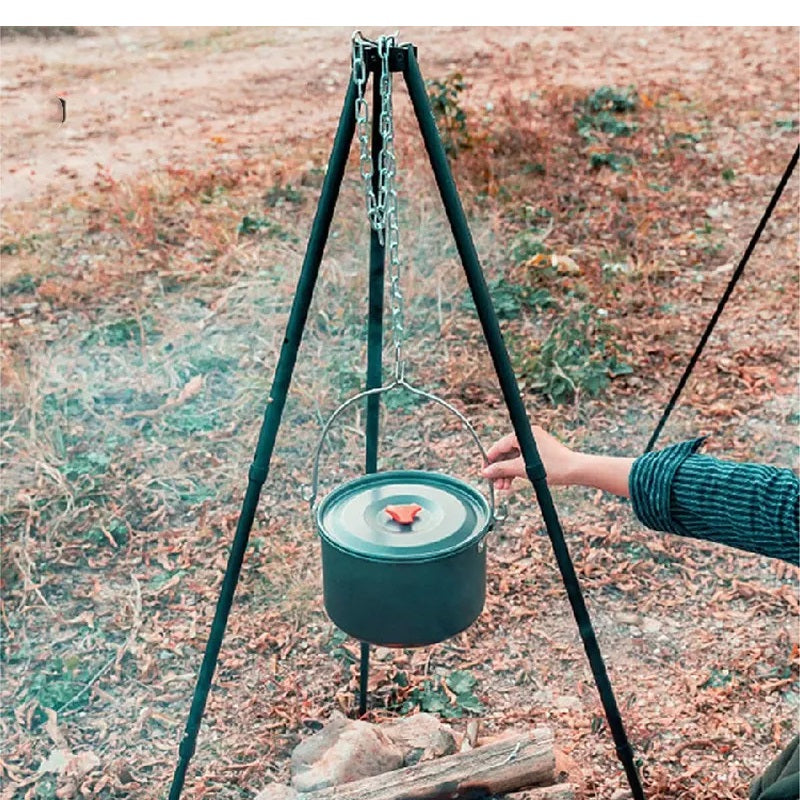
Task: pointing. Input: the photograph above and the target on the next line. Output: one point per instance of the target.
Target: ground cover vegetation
(142, 317)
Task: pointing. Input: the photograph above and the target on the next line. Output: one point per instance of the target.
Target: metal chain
(362, 130)
(381, 209)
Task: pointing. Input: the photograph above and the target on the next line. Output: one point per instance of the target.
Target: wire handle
(401, 383)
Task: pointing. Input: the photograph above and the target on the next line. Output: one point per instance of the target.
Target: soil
(150, 248)
(143, 97)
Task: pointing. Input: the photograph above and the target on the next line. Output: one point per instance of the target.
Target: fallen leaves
(711, 615)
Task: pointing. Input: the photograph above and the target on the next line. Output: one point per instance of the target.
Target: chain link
(381, 207)
(362, 127)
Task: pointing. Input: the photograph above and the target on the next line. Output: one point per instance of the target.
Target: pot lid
(403, 515)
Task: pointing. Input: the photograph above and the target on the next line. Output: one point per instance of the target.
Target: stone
(421, 737)
(651, 625)
(344, 750)
(543, 697)
(277, 791)
(568, 702)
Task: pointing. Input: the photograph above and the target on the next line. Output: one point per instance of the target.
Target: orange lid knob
(403, 514)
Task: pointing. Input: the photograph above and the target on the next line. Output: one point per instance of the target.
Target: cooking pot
(403, 552)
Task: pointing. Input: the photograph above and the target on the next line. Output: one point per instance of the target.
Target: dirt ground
(142, 97)
(150, 247)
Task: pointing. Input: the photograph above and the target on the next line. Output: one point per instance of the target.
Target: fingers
(503, 448)
(504, 462)
(502, 473)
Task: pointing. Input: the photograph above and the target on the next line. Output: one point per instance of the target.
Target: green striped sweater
(749, 506)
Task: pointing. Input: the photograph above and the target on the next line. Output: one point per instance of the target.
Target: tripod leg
(363, 679)
(516, 408)
(377, 259)
(269, 428)
(724, 299)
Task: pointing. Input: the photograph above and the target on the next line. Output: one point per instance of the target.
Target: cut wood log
(507, 765)
(558, 791)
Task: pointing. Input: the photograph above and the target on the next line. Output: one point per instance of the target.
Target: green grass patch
(252, 225)
(188, 419)
(55, 684)
(613, 99)
(22, 284)
(284, 195)
(129, 330)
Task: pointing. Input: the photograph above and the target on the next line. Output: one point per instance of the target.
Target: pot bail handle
(401, 383)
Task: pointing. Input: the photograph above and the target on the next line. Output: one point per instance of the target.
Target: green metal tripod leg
(269, 429)
(377, 261)
(516, 408)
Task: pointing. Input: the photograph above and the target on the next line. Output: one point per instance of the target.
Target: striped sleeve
(749, 506)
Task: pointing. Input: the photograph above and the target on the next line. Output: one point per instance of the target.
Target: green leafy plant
(402, 402)
(456, 700)
(450, 116)
(189, 419)
(534, 168)
(510, 299)
(58, 682)
(337, 649)
(23, 284)
(346, 374)
(29, 244)
(88, 463)
(576, 357)
(614, 161)
(527, 245)
(589, 124)
(602, 112)
(115, 528)
(717, 679)
(609, 98)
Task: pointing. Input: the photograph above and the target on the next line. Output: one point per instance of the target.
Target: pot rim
(475, 538)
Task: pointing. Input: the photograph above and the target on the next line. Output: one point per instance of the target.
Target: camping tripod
(401, 59)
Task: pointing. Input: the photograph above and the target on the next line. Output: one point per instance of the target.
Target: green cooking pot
(403, 552)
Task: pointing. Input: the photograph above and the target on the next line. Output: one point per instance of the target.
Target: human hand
(506, 463)
(564, 467)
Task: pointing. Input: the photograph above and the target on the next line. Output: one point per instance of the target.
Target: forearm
(749, 506)
(609, 473)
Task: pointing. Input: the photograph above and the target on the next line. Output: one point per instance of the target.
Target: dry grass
(141, 329)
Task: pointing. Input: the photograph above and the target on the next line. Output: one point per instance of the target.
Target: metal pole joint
(536, 472)
(257, 474)
(398, 57)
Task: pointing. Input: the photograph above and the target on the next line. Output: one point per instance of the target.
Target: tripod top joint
(398, 55)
